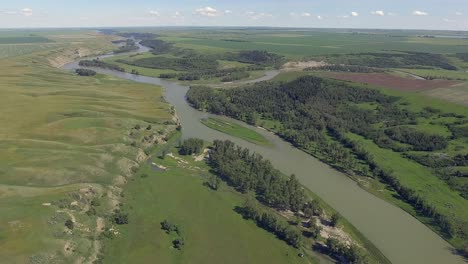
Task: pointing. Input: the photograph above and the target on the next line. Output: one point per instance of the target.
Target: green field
(65, 135)
(235, 130)
(213, 232)
(298, 44)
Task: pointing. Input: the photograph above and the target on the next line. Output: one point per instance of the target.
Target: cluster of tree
(462, 56)
(250, 172)
(235, 76)
(394, 60)
(226, 75)
(345, 68)
(191, 146)
(350, 254)
(316, 114)
(258, 57)
(169, 227)
(120, 217)
(100, 64)
(157, 46)
(129, 46)
(187, 63)
(271, 223)
(418, 139)
(70, 224)
(85, 72)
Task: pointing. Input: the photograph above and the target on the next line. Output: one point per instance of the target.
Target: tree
(335, 218)
(214, 182)
(178, 243)
(69, 224)
(120, 218)
(191, 146)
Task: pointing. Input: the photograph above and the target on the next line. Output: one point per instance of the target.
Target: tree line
(249, 172)
(315, 114)
(100, 64)
(394, 60)
(85, 72)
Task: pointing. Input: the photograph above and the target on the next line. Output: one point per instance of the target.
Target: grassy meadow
(213, 232)
(64, 141)
(235, 130)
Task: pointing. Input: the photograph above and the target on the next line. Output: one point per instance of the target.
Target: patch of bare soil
(391, 81)
(301, 65)
(202, 156)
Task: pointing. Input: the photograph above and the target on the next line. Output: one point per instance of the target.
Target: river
(400, 237)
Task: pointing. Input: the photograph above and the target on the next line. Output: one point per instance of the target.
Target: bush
(85, 72)
(120, 218)
(191, 146)
(69, 224)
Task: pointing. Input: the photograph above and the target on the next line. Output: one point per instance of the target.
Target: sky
(386, 14)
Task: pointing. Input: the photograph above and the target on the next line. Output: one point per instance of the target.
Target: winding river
(400, 237)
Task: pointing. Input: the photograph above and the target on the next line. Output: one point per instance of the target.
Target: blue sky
(416, 14)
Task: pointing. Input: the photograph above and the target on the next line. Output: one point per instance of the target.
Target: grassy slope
(61, 129)
(235, 130)
(212, 230)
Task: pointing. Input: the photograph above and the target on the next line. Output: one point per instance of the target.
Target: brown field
(391, 81)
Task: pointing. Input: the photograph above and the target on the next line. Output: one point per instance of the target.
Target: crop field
(296, 44)
(391, 81)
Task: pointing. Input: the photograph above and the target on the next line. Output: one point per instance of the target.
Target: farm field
(299, 44)
(390, 81)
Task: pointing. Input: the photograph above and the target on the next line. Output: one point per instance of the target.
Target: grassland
(212, 230)
(207, 220)
(235, 130)
(66, 135)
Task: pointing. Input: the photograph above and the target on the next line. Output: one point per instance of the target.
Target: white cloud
(458, 13)
(153, 13)
(420, 13)
(378, 13)
(11, 12)
(448, 20)
(257, 16)
(345, 16)
(319, 17)
(354, 14)
(392, 14)
(207, 11)
(227, 12)
(306, 14)
(26, 12)
(177, 14)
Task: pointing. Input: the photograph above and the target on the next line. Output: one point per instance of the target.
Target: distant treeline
(85, 72)
(140, 36)
(100, 64)
(258, 57)
(316, 114)
(345, 68)
(157, 46)
(462, 56)
(129, 46)
(394, 60)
